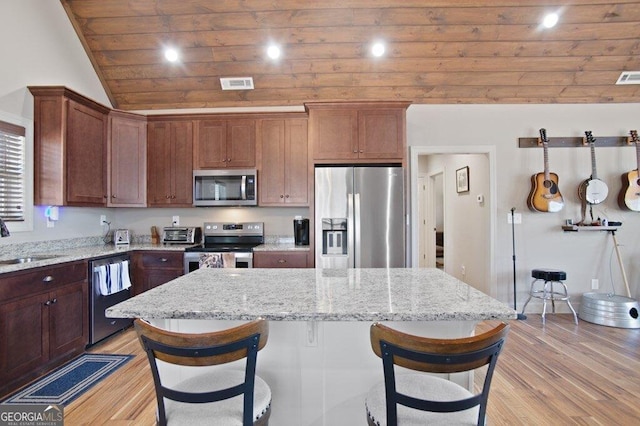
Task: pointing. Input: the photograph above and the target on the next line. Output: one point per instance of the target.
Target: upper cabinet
(284, 164)
(225, 143)
(358, 132)
(70, 148)
(127, 149)
(170, 163)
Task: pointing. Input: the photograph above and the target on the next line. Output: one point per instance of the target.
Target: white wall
(44, 50)
(540, 241)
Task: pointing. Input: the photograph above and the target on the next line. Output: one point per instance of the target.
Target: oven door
(192, 260)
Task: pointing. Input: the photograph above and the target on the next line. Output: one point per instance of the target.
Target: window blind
(12, 172)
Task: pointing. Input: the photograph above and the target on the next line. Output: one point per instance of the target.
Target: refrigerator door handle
(356, 229)
(350, 230)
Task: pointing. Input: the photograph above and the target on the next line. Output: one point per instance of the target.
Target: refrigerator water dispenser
(334, 236)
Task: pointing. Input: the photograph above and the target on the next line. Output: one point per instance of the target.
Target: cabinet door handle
(163, 259)
(114, 196)
(361, 151)
(281, 196)
(224, 160)
(47, 303)
(47, 279)
(286, 196)
(54, 301)
(282, 261)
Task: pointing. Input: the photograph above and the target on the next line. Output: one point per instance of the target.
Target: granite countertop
(62, 251)
(62, 254)
(281, 246)
(402, 294)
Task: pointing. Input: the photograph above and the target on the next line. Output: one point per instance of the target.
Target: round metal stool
(547, 292)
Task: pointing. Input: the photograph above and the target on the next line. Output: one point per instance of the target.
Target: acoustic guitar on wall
(545, 195)
(629, 197)
(592, 190)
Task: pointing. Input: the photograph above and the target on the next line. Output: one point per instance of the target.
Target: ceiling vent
(237, 83)
(629, 77)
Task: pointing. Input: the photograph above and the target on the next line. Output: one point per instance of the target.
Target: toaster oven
(182, 235)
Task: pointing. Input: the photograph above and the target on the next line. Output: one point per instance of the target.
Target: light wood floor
(557, 374)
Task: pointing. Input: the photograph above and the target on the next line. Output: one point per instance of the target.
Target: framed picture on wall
(462, 179)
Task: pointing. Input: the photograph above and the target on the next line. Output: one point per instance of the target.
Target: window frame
(27, 224)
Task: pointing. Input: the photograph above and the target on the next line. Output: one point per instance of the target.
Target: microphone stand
(513, 244)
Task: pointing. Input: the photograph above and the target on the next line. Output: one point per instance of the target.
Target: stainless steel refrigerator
(359, 217)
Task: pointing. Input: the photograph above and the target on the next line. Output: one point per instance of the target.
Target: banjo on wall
(593, 190)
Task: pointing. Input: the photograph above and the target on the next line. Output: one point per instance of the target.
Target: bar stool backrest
(204, 349)
(436, 356)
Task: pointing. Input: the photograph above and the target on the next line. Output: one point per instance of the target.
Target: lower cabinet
(43, 321)
(280, 259)
(155, 267)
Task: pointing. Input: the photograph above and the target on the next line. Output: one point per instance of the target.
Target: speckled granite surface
(280, 246)
(310, 294)
(70, 250)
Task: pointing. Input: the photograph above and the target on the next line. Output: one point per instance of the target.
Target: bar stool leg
(566, 293)
(544, 300)
(553, 299)
(530, 296)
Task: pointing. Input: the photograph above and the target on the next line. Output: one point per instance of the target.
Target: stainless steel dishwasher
(109, 284)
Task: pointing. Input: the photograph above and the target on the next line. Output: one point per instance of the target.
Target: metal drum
(610, 310)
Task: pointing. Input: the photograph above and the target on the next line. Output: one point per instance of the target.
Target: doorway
(481, 276)
(431, 207)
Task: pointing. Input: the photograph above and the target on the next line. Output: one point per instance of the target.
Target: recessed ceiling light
(550, 20)
(377, 49)
(171, 55)
(273, 51)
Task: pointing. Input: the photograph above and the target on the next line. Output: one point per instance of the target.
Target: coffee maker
(301, 231)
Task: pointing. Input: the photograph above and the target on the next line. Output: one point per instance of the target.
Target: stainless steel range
(233, 241)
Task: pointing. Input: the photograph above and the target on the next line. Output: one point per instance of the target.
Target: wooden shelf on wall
(573, 142)
(576, 228)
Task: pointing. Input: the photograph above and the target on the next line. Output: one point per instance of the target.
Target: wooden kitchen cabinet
(44, 321)
(70, 148)
(358, 132)
(280, 259)
(284, 164)
(155, 267)
(170, 163)
(225, 144)
(127, 154)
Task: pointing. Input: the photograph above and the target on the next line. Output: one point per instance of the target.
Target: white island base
(320, 371)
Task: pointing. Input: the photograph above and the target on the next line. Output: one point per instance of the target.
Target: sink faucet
(4, 231)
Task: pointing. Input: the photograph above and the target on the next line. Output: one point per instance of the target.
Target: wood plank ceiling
(437, 51)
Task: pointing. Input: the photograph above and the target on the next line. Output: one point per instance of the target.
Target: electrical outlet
(176, 221)
(463, 270)
(103, 219)
(517, 218)
(595, 284)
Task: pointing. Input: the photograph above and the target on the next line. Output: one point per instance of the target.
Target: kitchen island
(318, 360)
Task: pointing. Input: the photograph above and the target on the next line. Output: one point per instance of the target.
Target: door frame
(415, 152)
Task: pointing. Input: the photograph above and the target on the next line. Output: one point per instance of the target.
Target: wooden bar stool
(547, 292)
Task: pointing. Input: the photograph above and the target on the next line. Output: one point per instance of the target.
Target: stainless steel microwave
(227, 187)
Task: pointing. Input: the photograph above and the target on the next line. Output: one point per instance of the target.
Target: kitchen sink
(25, 259)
